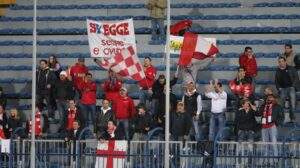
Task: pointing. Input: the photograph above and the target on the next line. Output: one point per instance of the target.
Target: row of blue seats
(159, 68)
(134, 95)
(178, 17)
(137, 6)
(142, 55)
(128, 81)
(124, 6)
(146, 30)
(277, 4)
(219, 42)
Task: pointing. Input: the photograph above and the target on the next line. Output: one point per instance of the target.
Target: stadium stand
(264, 25)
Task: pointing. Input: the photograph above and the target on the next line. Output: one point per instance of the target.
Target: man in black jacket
(45, 79)
(142, 123)
(63, 91)
(286, 80)
(104, 115)
(180, 123)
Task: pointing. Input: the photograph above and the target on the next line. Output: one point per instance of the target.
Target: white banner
(111, 154)
(177, 41)
(5, 145)
(106, 38)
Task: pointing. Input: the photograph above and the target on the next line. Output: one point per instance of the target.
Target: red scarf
(2, 135)
(267, 116)
(38, 127)
(71, 118)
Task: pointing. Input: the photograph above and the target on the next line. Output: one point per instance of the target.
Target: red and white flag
(126, 63)
(197, 47)
(111, 154)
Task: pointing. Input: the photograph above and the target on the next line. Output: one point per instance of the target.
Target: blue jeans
(125, 124)
(216, 124)
(89, 111)
(270, 135)
(157, 25)
(62, 107)
(196, 129)
(291, 94)
(144, 95)
(246, 135)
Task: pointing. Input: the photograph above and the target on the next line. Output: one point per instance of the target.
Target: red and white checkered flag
(126, 63)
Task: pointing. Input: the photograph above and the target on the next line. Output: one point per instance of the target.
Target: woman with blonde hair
(14, 120)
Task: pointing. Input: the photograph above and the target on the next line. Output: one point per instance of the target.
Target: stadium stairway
(264, 25)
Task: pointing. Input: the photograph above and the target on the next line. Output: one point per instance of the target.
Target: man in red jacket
(77, 73)
(124, 109)
(248, 61)
(146, 83)
(112, 86)
(88, 91)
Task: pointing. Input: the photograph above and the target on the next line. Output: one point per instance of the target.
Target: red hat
(181, 25)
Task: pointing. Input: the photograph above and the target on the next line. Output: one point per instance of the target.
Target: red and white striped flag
(195, 46)
(126, 63)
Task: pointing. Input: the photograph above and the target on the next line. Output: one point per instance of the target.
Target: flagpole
(167, 137)
(33, 89)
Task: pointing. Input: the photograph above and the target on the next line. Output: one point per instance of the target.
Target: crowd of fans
(71, 96)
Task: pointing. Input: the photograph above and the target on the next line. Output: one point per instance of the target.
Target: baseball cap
(63, 73)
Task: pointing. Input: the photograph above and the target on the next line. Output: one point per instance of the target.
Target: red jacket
(147, 82)
(123, 107)
(88, 92)
(249, 64)
(77, 73)
(111, 89)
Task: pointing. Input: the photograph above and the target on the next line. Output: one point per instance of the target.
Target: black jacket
(43, 78)
(141, 122)
(245, 121)
(102, 119)
(13, 124)
(119, 135)
(180, 124)
(158, 88)
(4, 124)
(63, 90)
(279, 78)
(73, 136)
(245, 80)
(277, 114)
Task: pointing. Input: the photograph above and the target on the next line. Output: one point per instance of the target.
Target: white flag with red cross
(111, 154)
(126, 64)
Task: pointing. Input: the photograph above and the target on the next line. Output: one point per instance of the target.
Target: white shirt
(218, 101)
(105, 110)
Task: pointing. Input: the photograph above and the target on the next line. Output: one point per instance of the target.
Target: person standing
(193, 107)
(45, 82)
(147, 83)
(289, 55)
(3, 99)
(248, 61)
(73, 113)
(124, 110)
(104, 115)
(272, 116)
(112, 86)
(157, 14)
(77, 74)
(63, 92)
(4, 133)
(180, 123)
(218, 107)
(245, 122)
(14, 122)
(142, 123)
(286, 79)
(88, 89)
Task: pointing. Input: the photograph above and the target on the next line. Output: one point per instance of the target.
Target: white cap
(63, 73)
(123, 88)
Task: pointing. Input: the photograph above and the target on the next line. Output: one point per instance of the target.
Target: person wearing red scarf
(111, 86)
(272, 116)
(88, 89)
(38, 124)
(3, 124)
(72, 114)
(248, 61)
(124, 110)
